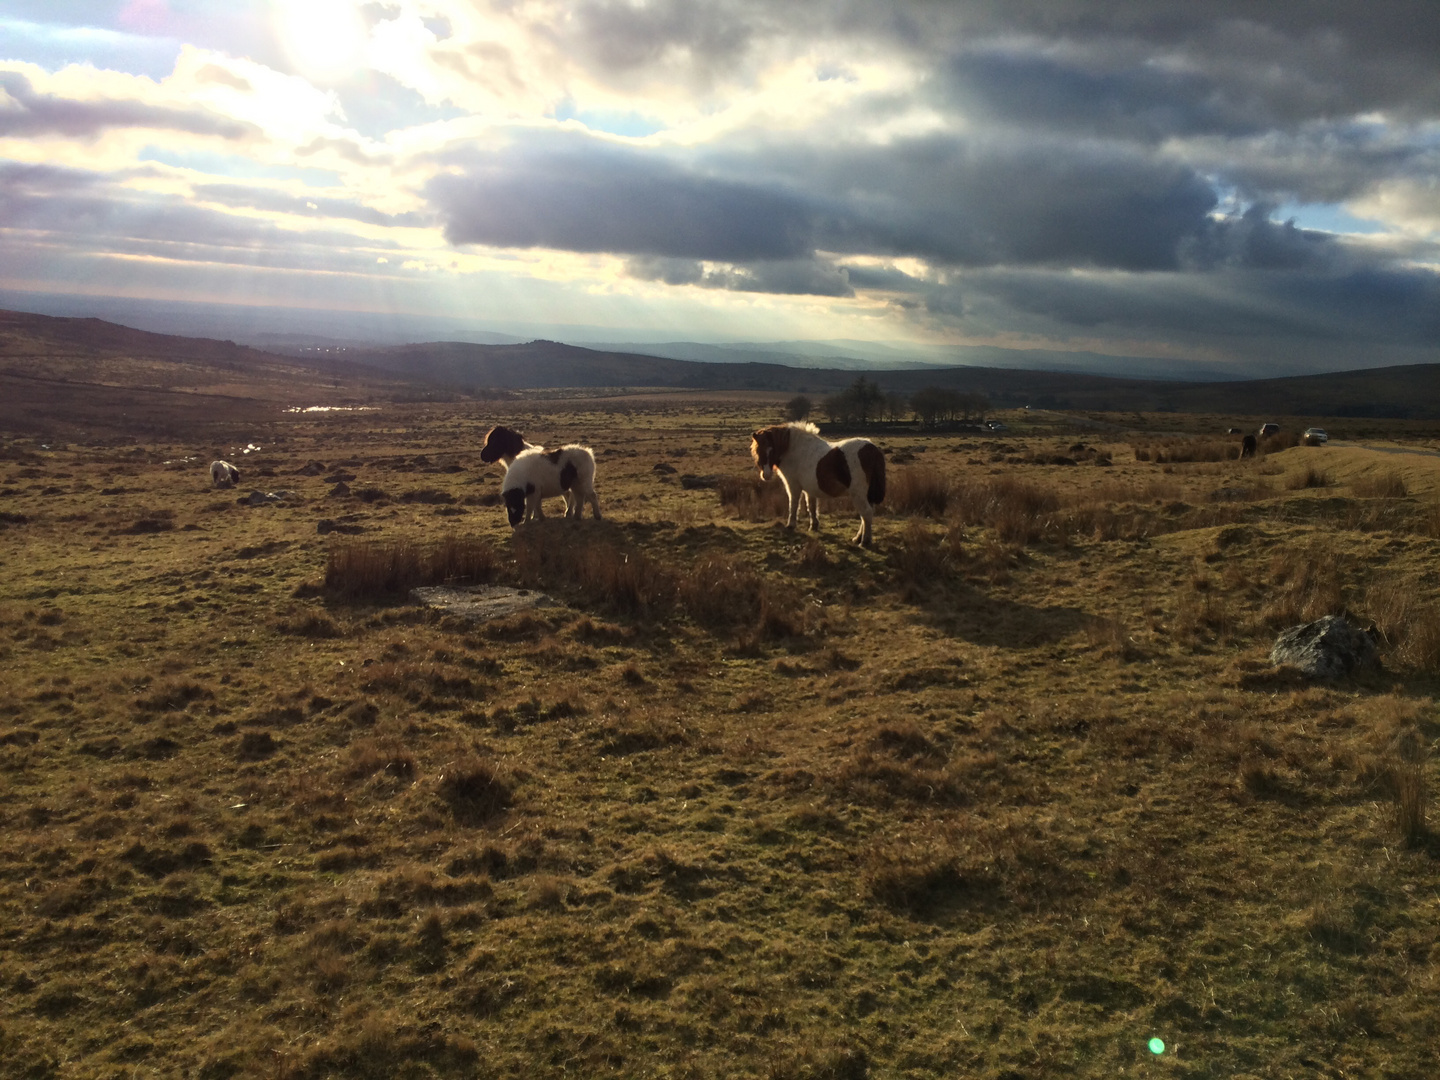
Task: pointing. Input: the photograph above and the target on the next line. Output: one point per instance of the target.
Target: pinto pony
(503, 444)
(538, 474)
(223, 474)
(506, 444)
(809, 466)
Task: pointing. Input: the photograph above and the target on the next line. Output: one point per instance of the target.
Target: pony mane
(805, 426)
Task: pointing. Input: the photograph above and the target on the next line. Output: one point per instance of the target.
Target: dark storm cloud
(1128, 101)
(593, 198)
(34, 114)
(952, 201)
(1253, 241)
(1239, 62)
(882, 278)
(1398, 307)
(619, 36)
(794, 277)
(978, 202)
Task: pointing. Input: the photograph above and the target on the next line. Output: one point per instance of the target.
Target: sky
(1250, 187)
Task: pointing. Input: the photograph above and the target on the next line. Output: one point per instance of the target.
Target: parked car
(1315, 436)
(1269, 429)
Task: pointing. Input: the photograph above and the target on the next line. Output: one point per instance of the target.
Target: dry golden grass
(1006, 795)
(1385, 484)
(380, 567)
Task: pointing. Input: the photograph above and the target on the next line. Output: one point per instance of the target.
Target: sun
(324, 39)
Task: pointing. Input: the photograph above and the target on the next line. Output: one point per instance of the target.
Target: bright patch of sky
(237, 167)
(1326, 217)
(53, 46)
(629, 124)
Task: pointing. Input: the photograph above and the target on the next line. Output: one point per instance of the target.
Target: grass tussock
(719, 592)
(1018, 511)
(1309, 477)
(921, 490)
(1176, 450)
(475, 789)
(1410, 803)
(1305, 583)
(310, 624)
(1408, 621)
(750, 499)
(385, 567)
(1382, 484)
(389, 756)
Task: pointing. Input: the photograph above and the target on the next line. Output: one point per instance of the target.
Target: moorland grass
(1007, 795)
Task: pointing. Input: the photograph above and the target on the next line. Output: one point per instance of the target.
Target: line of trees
(934, 404)
(863, 401)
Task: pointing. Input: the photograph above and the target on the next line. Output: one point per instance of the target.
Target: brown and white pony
(810, 466)
(506, 444)
(503, 444)
(537, 474)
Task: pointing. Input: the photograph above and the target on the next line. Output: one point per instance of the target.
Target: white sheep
(538, 474)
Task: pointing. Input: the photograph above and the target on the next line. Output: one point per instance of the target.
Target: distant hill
(84, 376)
(870, 356)
(90, 373)
(1411, 392)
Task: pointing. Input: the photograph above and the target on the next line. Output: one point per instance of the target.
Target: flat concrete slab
(479, 602)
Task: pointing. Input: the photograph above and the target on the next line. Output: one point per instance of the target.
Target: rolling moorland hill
(55, 371)
(1410, 392)
(75, 376)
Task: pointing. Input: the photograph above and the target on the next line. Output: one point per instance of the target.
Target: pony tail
(872, 459)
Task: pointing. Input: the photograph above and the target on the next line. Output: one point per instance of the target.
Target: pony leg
(863, 536)
(594, 505)
(795, 496)
(813, 503)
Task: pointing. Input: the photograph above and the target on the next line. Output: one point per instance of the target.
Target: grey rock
(1328, 648)
(267, 498)
(479, 603)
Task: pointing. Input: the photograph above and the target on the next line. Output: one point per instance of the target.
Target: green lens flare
(1157, 1046)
